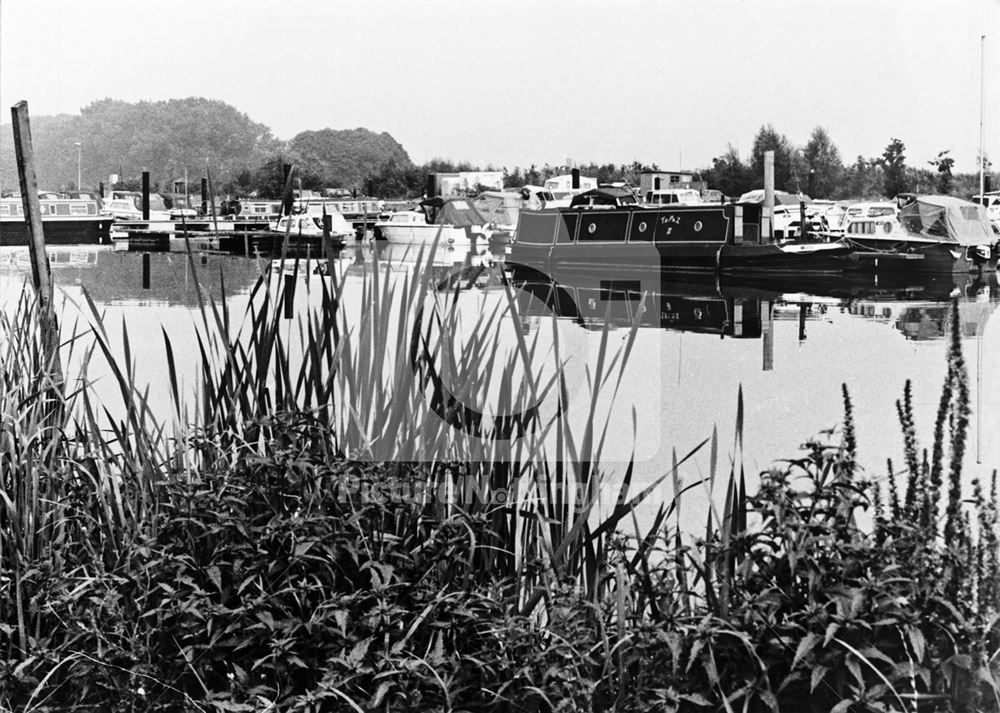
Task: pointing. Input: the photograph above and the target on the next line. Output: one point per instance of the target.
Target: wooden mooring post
(145, 196)
(287, 203)
(288, 296)
(767, 334)
(145, 271)
(41, 276)
(328, 241)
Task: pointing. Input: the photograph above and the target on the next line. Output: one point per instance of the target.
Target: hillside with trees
(169, 137)
(164, 137)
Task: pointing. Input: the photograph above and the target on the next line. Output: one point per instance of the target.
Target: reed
(283, 540)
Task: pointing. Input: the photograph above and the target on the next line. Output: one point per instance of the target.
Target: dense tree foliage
(893, 162)
(729, 174)
(943, 163)
(862, 179)
(768, 139)
(164, 137)
(823, 163)
(347, 158)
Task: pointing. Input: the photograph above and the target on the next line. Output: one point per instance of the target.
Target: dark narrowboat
(65, 221)
(600, 230)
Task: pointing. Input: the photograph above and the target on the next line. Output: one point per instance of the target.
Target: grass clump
(250, 558)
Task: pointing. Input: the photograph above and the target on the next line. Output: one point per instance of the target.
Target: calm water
(790, 346)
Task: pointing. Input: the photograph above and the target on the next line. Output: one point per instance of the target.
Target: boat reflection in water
(744, 307)
(117, 277)
(445, 262)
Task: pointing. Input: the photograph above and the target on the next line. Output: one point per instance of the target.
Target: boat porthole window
(642, 227)
(697, 227)
(592, 228)
(887, 227)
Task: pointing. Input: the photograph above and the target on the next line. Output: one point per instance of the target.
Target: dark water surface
(789, 345)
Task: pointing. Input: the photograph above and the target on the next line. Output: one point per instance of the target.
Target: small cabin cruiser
(450, 221)
(311, 225)
(930, 234)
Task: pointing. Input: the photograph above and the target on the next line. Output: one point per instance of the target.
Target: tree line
(817, 170)
(180, 138)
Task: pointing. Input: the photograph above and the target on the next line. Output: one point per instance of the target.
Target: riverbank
(244, 563)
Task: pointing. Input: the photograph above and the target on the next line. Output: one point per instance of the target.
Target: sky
(513, 83)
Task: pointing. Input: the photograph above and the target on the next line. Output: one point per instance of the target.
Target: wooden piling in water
(41, 277)
(328, 242)
(211, 199)
(767, 335)
(289, 295)
(145, 195)
(287, 197)
(145, 271)
(204, 196)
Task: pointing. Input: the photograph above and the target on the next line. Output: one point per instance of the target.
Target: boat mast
(982, 86)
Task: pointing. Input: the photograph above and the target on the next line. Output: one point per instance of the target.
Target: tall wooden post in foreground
(40, 275)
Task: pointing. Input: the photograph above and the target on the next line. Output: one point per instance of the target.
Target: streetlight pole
(79, 155)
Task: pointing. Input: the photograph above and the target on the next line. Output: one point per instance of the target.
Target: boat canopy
(458, 212)
(500, 207)
(780, 197)
(605, 195)
(948, 218)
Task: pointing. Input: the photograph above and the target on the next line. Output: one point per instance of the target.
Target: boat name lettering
(670, 219)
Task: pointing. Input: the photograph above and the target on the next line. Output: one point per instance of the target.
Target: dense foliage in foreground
(279, 575)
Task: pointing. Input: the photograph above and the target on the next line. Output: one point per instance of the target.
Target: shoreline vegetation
(241, 553)
(180, 137)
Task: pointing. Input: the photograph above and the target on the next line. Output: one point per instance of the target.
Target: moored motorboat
(931, 234)
(127, 206)
(449, 221)
(311, 226)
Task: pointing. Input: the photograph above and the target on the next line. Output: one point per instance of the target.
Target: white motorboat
(311, 225)
(449, 221)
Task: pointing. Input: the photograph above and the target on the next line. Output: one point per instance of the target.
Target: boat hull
(417, 234)
(895, 255)
(704, 238)
(90, 230)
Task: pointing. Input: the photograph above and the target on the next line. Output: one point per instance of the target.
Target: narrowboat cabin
(702, 238)
(66, 221)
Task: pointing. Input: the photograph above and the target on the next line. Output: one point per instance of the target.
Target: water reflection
(787, 342)
(114, 277)
(745, 308)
